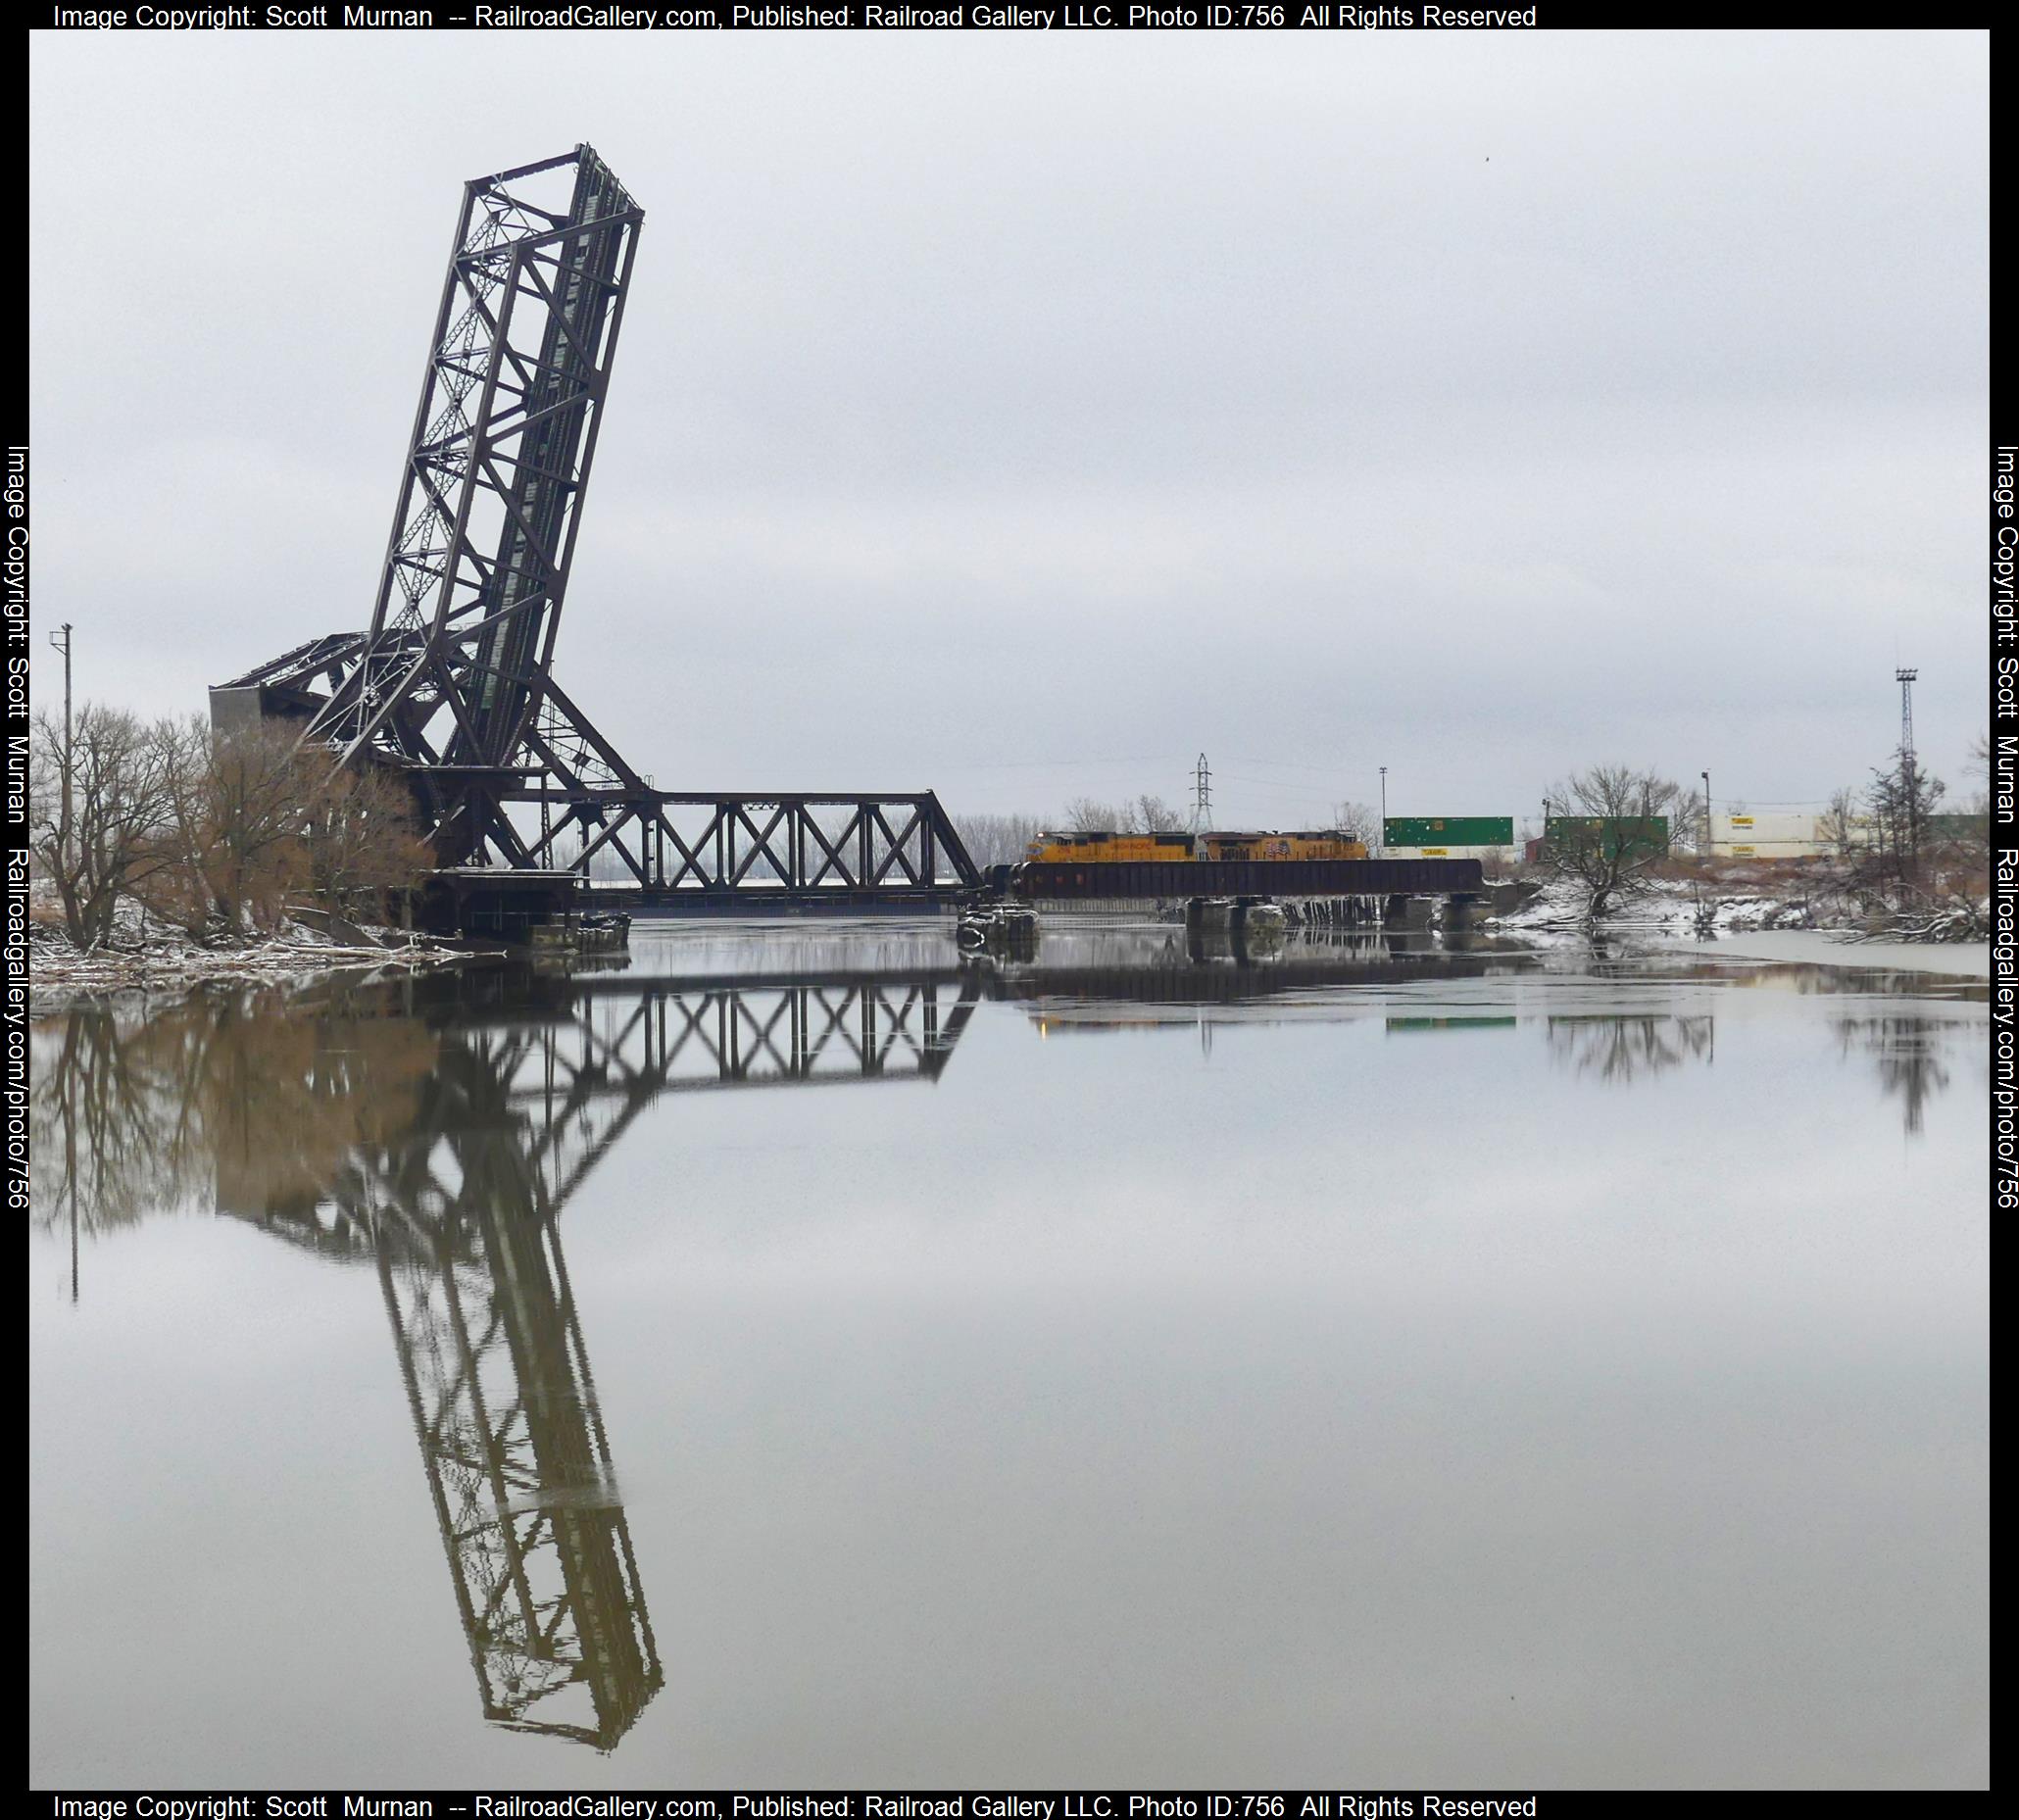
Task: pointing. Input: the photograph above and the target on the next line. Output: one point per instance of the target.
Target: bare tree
(1901, 800)
(997, 840)
(359, 839)
(1838, 827)
(1608, 828)
(110, 842)
(238, 801)
(1152, 814)
(1139, 814)
(1084, 815)
(1977, 764)
(1688, 822)
(1358, 822)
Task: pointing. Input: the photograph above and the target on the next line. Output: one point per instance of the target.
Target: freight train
(1111, 848)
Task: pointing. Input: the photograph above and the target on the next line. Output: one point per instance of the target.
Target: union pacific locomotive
(1110, 849)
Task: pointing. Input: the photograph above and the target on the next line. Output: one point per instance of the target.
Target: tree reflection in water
(1614, 1047)
(219, 1096)
(1908, 1051)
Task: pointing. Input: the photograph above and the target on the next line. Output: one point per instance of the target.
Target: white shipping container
(1448, 853)
(1778, 834)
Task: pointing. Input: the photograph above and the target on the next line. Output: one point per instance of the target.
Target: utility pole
(1381, 842)
(1912, 847)
(62, 641)
(1709, 839)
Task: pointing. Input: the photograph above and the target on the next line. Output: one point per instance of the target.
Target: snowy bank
(146, 955)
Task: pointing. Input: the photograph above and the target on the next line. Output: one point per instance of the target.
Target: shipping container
(1448, 831)
(1778, 834)
(1451, 852)
(1615, 833)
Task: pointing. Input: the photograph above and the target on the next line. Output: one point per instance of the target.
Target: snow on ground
(1678, 909)
(146, 955)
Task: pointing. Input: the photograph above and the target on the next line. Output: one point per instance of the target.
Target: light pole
(1906, 679)
(62, 641)
(1710, 839)
(1381, 843)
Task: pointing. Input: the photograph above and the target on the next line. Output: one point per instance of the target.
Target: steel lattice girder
(721, 842)
(802, 845)
(453, 682)
(503, 442)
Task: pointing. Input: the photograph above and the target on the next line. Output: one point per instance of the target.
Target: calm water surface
(800, 1359)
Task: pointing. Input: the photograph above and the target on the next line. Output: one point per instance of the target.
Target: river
(1345, 1364)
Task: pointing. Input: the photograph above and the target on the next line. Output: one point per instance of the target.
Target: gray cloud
(1020, 416)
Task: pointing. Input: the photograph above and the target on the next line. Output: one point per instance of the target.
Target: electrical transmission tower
(1201, 795)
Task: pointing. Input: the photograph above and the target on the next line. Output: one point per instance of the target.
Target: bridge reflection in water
(433, 1132)
(458, 1212)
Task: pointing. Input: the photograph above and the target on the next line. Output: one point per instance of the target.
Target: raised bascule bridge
(452, 683)
(525, 801)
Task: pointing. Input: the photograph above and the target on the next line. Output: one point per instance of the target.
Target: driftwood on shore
(152, 962)
(1954, 922)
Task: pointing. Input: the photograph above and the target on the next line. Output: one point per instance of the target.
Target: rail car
(1099, 848)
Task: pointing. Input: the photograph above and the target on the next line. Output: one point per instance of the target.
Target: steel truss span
(453, 682)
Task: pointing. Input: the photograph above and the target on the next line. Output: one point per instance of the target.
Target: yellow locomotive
(1110, 849)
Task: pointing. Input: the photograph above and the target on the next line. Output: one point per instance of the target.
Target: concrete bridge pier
(1464, 910)
(1204, 914)
(1404, 912)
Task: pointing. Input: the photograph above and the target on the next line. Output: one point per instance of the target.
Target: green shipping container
(1404, 1024)
(1448, 831)
(1637, 832)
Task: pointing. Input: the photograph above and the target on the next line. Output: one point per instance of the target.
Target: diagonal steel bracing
(452, 681)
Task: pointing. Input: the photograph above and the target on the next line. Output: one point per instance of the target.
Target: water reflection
(1624, 1048)
(1207, 967)
(433, 1133)
(1909, 1053)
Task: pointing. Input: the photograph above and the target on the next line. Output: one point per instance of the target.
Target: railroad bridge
(521, 796)
(452, 683)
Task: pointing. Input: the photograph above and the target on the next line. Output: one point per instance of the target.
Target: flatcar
(1108, 848)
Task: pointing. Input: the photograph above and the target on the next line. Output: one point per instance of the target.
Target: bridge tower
(453, 671)
(452, 681)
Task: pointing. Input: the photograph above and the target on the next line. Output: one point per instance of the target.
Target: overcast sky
(1020, 415)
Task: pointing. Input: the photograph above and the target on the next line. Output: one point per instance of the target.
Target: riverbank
(1679, 910)
(149, 956)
